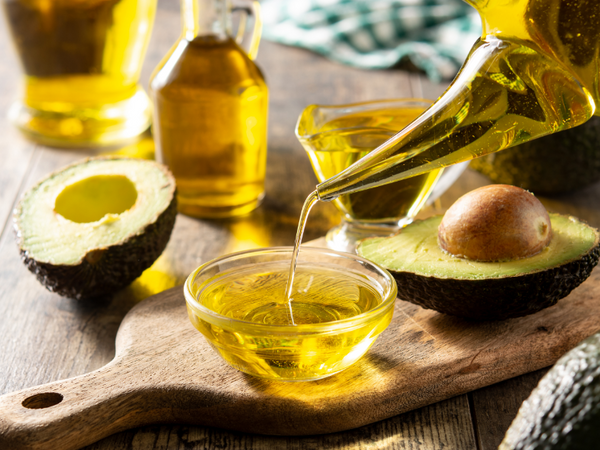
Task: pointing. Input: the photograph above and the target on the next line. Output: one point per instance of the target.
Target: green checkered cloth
(433, 35)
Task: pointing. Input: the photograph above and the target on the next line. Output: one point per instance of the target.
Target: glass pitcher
(533, 72)
(82, 61)
(210, 102)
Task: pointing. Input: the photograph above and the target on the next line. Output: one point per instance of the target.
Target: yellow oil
(343, 141)
(211, 126)
(82, 60)
(321, 294)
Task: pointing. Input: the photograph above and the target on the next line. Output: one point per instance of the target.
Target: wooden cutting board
(165, 372)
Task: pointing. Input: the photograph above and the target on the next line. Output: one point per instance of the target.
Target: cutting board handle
(72, 413)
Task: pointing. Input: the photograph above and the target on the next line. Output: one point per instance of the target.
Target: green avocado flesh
(93, 227)
(563, 411)
(416, 250)
(434, 279)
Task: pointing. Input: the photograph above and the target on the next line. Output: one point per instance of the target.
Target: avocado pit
(495, 223)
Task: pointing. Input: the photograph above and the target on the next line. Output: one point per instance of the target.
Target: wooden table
(46, 337)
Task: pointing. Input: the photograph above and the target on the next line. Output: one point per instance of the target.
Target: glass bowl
(340, 304)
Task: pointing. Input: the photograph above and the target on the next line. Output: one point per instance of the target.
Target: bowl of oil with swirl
(339, 304)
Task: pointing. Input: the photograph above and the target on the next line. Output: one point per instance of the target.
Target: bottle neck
(206, 18)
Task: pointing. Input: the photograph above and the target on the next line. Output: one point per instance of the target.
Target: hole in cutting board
(44, 400)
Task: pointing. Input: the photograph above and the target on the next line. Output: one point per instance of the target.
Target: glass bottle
(210, 105)
(82, 62)
(533, 72)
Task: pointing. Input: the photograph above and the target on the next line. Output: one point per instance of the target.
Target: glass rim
(388, 296)
(305, 136)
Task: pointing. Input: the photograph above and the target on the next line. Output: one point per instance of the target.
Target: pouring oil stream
(308, 204)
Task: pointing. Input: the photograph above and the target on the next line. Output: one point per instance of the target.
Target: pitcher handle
(248, 8)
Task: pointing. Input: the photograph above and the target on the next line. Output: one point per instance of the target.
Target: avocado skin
(106, 271)
(496, 298)
(563, 411)
(554, 164)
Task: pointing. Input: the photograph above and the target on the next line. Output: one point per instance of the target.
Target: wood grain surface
(47, 338)
(165, 372)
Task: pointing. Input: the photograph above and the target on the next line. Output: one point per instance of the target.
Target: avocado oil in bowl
(340, 303)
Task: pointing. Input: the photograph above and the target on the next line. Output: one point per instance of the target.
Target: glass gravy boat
(533, 72)
(336, 136)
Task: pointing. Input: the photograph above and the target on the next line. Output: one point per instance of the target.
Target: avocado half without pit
(495, 254)
(93, 227)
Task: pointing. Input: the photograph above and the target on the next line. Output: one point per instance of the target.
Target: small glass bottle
(210, 112)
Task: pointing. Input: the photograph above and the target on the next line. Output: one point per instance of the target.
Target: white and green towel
(434, 35)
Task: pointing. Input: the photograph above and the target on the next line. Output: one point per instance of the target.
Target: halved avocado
(434, 279)
(93, 227)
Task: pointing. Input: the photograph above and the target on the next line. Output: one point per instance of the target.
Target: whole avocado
(563, 411)
(554, 164)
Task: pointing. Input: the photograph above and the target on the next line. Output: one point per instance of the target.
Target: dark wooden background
(45, 337)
